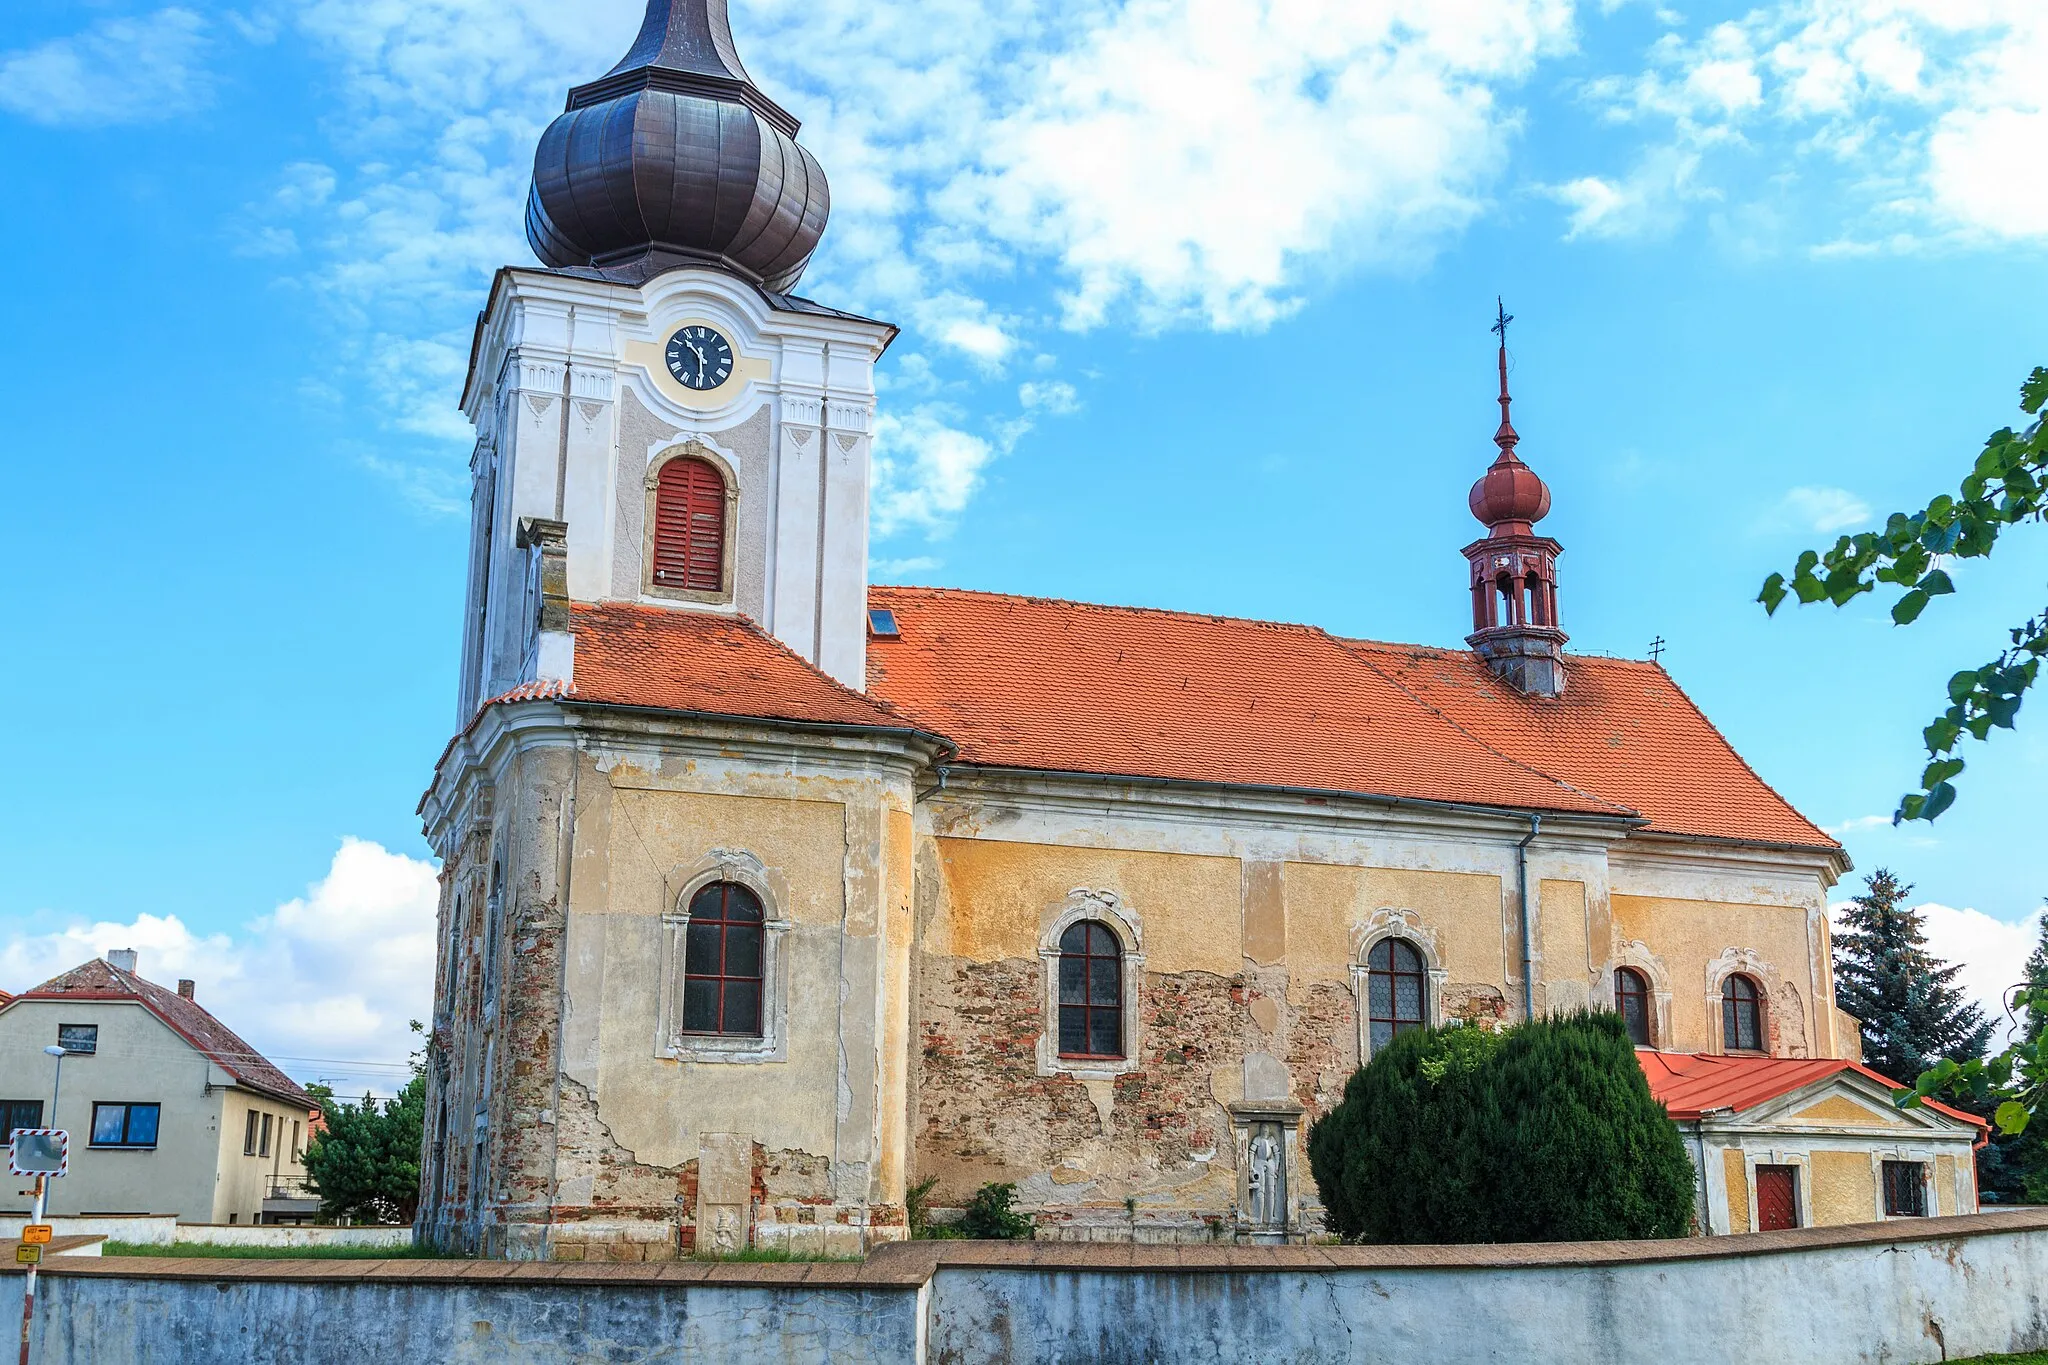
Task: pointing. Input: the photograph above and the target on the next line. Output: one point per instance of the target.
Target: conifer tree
(1913, 1013)
(2037, 977)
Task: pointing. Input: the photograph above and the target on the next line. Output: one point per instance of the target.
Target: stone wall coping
(911, 1265)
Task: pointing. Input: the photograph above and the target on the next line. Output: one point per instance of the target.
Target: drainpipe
(1528, 943)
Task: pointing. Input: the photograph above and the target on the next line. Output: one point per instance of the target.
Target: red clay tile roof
(1691, 1084)
(1031, 683)
(1622, 728)
(631, 655)
(101, 980)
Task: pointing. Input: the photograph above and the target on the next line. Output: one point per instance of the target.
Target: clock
(699, 357)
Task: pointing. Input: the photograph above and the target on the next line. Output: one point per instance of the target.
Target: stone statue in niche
(725, 1238)
(1266, 1177)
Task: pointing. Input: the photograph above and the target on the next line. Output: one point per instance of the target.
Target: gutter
(1528, 942)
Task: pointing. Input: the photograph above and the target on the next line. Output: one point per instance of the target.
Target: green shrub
(989, 1215)
(1546, 1132)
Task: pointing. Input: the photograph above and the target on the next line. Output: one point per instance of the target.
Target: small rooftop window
(75, 1038)
(882, 623)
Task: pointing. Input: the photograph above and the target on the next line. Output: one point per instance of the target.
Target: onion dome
(675, 157)
(1509, 497)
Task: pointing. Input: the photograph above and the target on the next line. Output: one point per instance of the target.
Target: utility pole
(28, 1288)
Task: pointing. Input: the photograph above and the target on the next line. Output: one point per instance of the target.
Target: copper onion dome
(675, 156)
(1509, 497)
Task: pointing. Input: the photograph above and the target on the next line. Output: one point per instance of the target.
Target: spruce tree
(2037, 977)
(1913, 1013)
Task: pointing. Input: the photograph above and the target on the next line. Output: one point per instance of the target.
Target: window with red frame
(1632, 998)
(722, 962)
(1091, 992)
(689, 526)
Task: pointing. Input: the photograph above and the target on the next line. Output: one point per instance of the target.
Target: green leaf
(1939, 799)
(2011, 1118)
(1961, 686)
(1937, 584)
(1940, 771)
(1773, 593)
(1908, 608)
(2034, 392)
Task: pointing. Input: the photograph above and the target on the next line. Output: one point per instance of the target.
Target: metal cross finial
(1505, 437)
(1657, 650)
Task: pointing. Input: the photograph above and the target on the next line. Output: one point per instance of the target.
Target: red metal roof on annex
(101, 980)
(1690, 1085)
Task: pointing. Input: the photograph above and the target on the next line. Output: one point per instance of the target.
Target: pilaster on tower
(1514, 570)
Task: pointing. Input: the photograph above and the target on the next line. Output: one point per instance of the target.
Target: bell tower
(659, 420)
(1514, 570)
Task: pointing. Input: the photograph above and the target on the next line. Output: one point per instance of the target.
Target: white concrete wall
(286, 1235)
(153, 1230)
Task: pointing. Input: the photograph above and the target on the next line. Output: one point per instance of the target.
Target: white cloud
(1156, 161)
(885, 570)
(122, 70)
(1918, 120)
(926, 468)
(1820, 510)
(1858, 822)
(329, 977)
(1054, 397)
(1992, 952)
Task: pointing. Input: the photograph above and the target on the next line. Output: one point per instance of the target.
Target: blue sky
(1195, 298)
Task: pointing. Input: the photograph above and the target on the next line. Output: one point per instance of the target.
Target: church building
(770, 894)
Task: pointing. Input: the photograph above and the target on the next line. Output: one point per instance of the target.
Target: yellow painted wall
(997, 898)
(1944, 1184)
(1687, 935)
(1737, 1176)
(1844, 1188)
(1327, 905)
(1839, 1109)
(1561, 920)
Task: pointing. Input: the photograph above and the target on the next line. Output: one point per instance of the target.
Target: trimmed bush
(1544, 1133)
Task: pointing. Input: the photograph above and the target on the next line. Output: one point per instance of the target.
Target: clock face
(699, 357)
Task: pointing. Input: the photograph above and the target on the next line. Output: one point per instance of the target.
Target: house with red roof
(168, 1110)
(771, 893)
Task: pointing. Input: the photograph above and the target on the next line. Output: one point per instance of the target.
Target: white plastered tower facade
(576, 410)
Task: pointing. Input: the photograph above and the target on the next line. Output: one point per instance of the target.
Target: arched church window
(689, 526)
(1091, 991)
(1396, 986)
(1632, 998)
(722, 962)
(1742, 1015)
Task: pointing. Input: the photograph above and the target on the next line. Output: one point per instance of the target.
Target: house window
(1396, 989)
(689, 526)
(19, 1114)
(263, 1144)
(1632, 997)
(79, 1037)
(1905, 1189)
(249, 1135)
(1091, 991)
(1742, 1016)
(124, 1125)
(295, 1140)
(722, 962)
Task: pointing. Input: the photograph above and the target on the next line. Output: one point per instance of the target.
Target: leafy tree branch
(2008, 485)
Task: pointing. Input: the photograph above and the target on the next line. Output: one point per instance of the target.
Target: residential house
(168, 1109)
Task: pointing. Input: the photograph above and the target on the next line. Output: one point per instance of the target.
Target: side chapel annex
(769, 893)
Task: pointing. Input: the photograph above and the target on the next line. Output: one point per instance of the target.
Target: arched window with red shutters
(689, 526)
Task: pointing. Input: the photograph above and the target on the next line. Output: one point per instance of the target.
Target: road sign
(39, 1151)
(28, 1255)
(37, 1234)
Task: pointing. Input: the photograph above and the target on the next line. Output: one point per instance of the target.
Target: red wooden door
(1777, 1198)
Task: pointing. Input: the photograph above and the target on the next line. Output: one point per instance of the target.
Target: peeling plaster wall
(1689, 936)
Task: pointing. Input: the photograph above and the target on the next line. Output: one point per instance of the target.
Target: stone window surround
(1405, 925)
(1930, 1191)
(1800, 1159)
(1108, 909)
(1750, 963)
(690, 447)
(1635, 954)
(670, 1042)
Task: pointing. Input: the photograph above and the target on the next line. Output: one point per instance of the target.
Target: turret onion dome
(673, 157)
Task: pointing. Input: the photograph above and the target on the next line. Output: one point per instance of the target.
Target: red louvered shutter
(689, 527)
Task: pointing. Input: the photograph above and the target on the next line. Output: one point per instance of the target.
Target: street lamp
(56, 1051)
